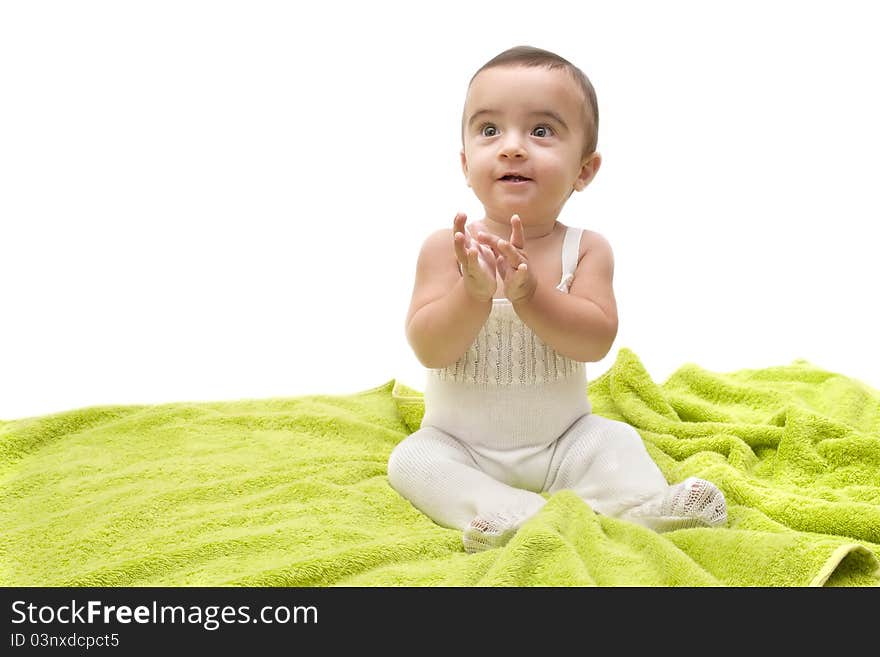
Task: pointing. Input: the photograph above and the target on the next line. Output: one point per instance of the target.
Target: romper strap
(570, 250)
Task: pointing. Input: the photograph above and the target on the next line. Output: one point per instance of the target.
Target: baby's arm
(447, 309)
(583, 323)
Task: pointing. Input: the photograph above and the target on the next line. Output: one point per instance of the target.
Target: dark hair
(530, 56)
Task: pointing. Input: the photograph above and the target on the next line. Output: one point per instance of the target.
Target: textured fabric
(442, 478)
(691, 503)
(794, 449)
(505, 417)
(490, 531)
(293, 492)
(509, 412)
(602, 460)
(506, 352)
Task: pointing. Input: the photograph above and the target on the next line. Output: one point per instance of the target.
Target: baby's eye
(547, 130)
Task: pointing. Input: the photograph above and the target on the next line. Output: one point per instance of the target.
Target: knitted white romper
(510, 419)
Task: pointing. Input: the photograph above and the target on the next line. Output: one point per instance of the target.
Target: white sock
(691, 503)
(489, 531)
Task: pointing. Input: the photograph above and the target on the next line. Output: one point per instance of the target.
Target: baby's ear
(464, 167)
(589, 169)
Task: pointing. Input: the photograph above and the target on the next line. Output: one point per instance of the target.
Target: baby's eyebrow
(548, 113)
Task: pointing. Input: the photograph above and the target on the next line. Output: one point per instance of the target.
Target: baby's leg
(605, 462)
(438, 475)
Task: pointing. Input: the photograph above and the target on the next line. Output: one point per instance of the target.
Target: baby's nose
(513, 147)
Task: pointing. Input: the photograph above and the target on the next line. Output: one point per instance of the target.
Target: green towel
(293, 492)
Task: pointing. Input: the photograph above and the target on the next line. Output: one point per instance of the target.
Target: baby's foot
(698, 500)
(691, 503)
(488, 531)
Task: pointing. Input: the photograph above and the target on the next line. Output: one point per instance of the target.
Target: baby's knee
(617, 431)
(413, 457)
(401, 464)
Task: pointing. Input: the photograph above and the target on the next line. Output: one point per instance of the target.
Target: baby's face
(534, 127)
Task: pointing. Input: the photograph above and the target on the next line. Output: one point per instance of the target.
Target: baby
(505, 311)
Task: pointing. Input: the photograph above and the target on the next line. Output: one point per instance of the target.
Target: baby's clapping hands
(512, 262)
(477, 262)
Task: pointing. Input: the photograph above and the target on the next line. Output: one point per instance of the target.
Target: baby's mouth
(515, 179)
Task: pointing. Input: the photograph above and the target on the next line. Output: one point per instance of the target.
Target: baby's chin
(502, 212)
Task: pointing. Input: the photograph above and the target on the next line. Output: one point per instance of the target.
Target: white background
(224, 200)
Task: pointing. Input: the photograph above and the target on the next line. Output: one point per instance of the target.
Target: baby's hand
(477, 262)
(512, 262)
